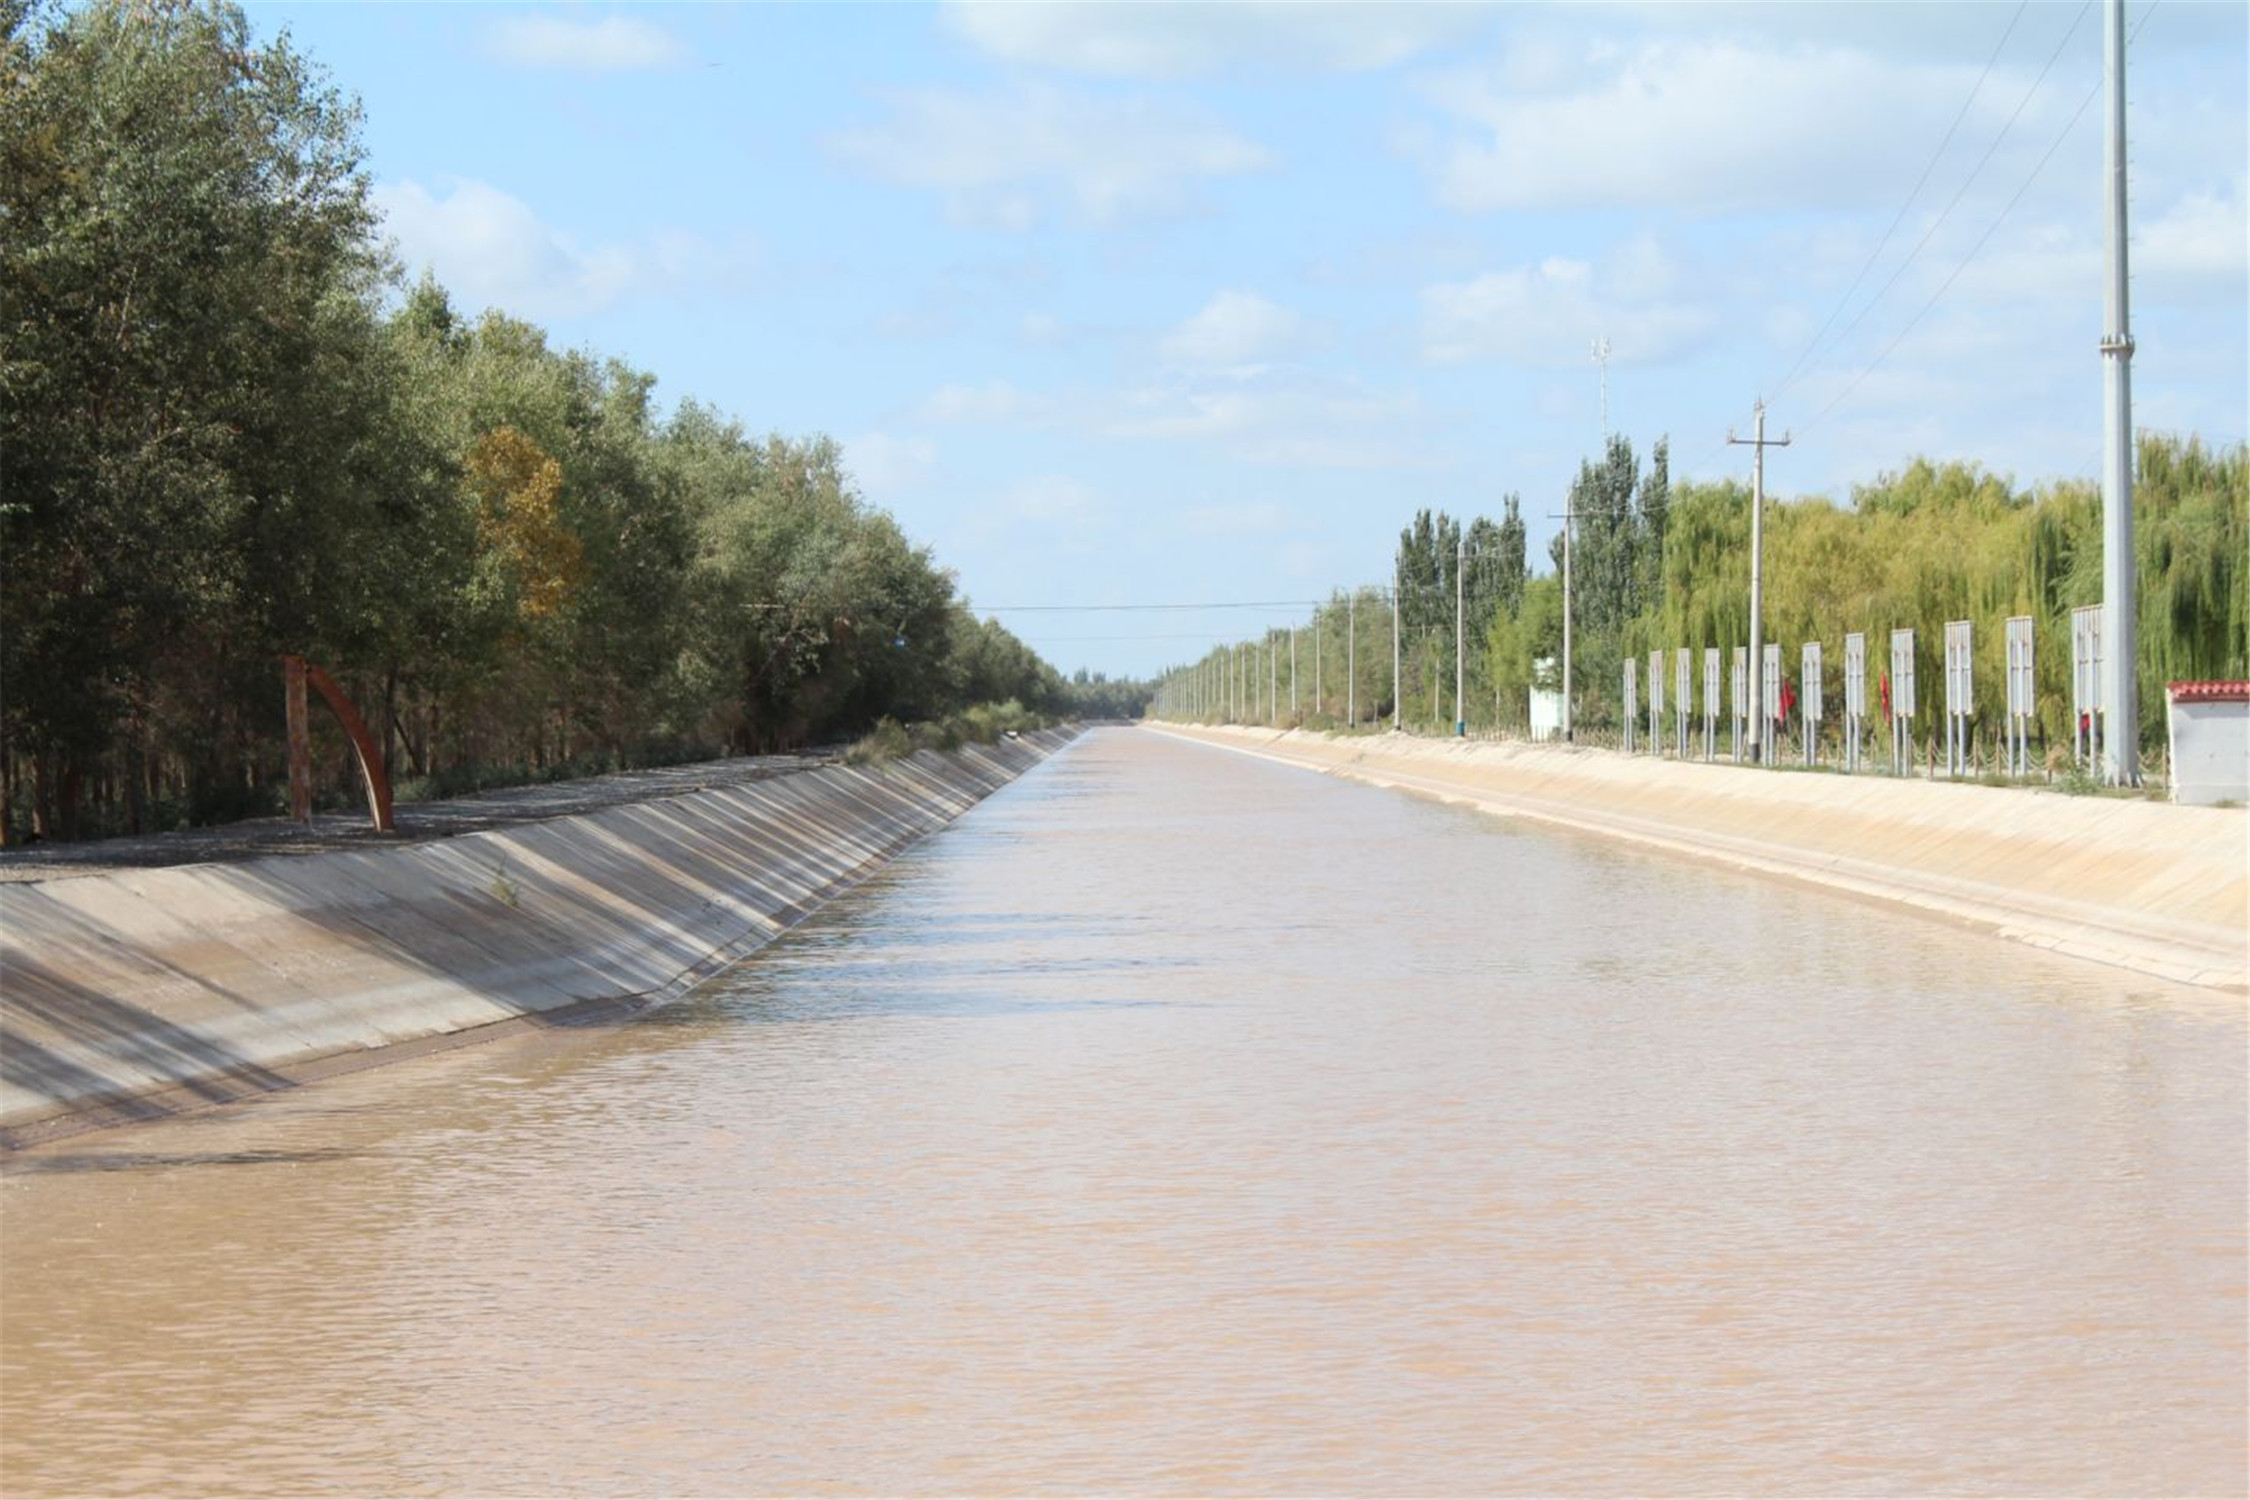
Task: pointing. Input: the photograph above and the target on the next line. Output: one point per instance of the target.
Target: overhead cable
(1789, 376)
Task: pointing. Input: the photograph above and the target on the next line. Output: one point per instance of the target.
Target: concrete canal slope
(2161, 889)
(141, 991)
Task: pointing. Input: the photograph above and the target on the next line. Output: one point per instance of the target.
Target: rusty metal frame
(297, 673)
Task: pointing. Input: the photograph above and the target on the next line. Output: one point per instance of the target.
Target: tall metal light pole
(1757, 442)
(2121, 730)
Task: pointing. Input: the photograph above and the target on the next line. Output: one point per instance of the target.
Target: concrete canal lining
(137, 992)
(2149, 886)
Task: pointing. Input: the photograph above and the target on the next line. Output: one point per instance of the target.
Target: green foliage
(1658, 566)
(230, 434)
(979, 724)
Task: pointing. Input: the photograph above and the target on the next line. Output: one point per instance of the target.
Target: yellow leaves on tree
(518, 522)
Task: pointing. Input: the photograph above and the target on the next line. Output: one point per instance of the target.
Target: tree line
(1658, 566)
(232, 431)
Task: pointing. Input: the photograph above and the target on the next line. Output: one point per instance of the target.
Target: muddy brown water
(1181, 1123)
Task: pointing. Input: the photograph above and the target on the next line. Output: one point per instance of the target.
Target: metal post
(1398, 696)
(1351, 659)
(1293, 672)
(2121, 737)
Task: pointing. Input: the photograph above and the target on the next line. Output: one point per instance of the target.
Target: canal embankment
(2148, 886)
(138, 991)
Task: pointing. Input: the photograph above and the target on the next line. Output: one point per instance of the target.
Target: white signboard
(1656, 684)
(1902, 674)
(1811, 678)
(2022, 685)
(1772, 680)
(1958, 702)
(1855, 674)
(1632, 696)
(2086, 660)
(1680, 670)
(1710, 702)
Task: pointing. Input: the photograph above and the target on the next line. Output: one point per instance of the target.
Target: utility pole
(2121, 730)
(1293, 672)
(1757, 443)
(1351, 660)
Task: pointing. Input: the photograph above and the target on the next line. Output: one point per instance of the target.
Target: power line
(1969, 181)
(1982, 240)
(1789, 376)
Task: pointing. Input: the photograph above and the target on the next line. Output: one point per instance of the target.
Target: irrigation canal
(1179, 1122)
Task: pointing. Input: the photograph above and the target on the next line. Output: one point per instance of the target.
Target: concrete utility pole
(1351, 660)
(2121, 730)
(1758, 443)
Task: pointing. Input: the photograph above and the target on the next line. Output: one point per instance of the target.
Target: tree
(186, 309)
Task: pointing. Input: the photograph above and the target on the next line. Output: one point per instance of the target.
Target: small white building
(1546, 699)
(2209, 728)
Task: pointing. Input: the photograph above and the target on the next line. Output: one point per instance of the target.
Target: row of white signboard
(2085, 673)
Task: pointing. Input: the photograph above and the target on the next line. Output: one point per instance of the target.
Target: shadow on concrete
(653, 898)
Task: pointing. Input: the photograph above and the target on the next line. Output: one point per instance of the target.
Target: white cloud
(614, 44)
(887, 467)
(2204, 234)
(1175, 41)
(1548, 315)
(1008, 162)
(1241, 328)
(1256, 518)
(488, 248)
(1052, 500)
(1041, 330)
(1715, 126)
(1274, 419)
(994, 401)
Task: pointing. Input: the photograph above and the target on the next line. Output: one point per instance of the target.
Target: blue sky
(1130, 304)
